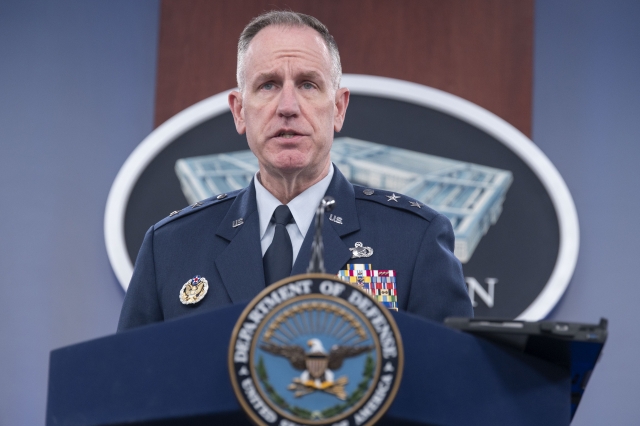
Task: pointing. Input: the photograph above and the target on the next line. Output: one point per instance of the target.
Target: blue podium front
(175, 373)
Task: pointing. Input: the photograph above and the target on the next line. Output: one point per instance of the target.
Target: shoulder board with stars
(394, 200)
(198, 206)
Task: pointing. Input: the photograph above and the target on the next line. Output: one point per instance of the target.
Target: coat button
(368, 191)
(221, 196)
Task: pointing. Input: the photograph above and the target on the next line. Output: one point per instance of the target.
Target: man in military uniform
(225, 249)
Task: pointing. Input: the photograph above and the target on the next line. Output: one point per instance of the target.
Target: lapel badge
(237, 222)
(336, 219)
(194, 290)
(359, 251)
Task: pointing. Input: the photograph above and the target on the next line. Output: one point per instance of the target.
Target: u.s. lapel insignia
(194, 290)
(359, 251)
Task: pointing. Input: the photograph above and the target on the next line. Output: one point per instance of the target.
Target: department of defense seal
(314, 350)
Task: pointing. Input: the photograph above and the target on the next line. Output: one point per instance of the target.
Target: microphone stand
(316, 265)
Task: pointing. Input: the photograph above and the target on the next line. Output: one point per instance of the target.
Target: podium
(175, 373)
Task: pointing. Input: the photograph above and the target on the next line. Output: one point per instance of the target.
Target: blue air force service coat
(416, 242)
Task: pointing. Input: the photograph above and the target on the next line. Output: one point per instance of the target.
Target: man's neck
(287, 187)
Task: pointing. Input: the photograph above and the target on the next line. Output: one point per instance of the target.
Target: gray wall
(76, 97)
(587, 120)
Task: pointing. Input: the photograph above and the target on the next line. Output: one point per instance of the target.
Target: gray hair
(287, 19)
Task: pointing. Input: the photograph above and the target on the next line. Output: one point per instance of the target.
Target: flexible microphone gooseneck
(316, 264)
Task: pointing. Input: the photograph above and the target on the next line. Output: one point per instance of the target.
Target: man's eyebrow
(309, 75)
(266, 76)
(259, 79)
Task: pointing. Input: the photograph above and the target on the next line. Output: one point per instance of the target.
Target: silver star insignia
(393, 197)
(415, 204)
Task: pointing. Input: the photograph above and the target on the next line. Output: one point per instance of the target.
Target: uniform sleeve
(141, 304)
(438, 289)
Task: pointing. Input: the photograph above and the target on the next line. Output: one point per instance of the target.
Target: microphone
(316, 264)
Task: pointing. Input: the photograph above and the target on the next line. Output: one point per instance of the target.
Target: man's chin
(292, 167)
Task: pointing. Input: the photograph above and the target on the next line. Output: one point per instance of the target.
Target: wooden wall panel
(480, 50)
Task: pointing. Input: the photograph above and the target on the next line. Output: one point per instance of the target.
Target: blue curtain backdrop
(76, 97)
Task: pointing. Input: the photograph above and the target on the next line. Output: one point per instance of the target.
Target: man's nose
(288, 105)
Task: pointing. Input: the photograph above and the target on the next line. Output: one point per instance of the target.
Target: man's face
(289, 107)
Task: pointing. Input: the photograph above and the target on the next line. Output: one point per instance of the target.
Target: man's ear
(342, 102)
(235, 103)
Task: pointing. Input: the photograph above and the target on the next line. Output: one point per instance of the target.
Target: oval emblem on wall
(515, 222)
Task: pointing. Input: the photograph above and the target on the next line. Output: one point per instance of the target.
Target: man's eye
(307, 86)
(267, 86)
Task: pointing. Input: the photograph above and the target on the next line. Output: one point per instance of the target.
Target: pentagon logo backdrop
(515, 222)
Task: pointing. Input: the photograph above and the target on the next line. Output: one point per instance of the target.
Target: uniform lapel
(336, 252)
(240, 263)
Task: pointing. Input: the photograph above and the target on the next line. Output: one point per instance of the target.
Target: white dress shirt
(303, 209)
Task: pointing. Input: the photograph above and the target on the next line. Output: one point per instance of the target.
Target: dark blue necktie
(278, 258)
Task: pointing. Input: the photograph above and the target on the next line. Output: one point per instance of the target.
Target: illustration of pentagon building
(470, 195)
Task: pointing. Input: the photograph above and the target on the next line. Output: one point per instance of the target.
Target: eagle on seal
(317, 365)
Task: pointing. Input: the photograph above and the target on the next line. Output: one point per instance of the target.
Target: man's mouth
(287, 134)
